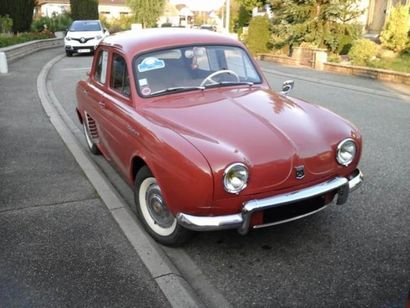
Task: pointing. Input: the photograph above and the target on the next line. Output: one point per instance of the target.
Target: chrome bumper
(242, 220)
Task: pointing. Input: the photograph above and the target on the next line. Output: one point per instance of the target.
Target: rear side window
(101, 67)
(119, 75)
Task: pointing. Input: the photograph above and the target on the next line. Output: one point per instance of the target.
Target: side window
(101, 68)
(119, 75)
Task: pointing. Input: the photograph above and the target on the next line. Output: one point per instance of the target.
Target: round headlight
(236, 178)
(346, 152)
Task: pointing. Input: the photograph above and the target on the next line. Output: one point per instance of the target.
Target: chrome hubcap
(157, 207)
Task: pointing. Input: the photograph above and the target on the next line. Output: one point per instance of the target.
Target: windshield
(193, 67)
(91, 25)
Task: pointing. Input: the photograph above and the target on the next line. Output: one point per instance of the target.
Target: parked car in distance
(207, 27)
(190, 121)
(83, 36)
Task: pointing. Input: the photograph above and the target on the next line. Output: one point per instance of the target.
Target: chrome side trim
(290, 219)
(241, 221)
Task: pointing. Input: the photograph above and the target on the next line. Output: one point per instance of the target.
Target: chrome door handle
(101, 104)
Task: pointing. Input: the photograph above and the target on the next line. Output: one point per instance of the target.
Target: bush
(394, 36)
(114, 25)
(22, 38)
(55, 23)
(259, 35)
(6, 24)
(334, 58)
(363, 51)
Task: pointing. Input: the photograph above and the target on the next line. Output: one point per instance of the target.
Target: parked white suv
(83, 36)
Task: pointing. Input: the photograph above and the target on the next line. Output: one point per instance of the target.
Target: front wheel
(154, 213)
(68, 53)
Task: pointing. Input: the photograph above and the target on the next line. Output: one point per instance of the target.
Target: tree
(20, 11)
(84, 9)
(146, 12)
(321, 22)
(394, 36)
(259, 35)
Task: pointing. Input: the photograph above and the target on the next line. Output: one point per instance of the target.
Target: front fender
(182, 172)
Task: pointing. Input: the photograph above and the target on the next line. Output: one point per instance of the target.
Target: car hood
(85, 34)
(270, 133)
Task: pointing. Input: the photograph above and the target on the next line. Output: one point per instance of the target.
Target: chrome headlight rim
(228, 186)
(340, 146)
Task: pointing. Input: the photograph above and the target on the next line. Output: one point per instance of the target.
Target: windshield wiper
(230, 83)
(176, 89)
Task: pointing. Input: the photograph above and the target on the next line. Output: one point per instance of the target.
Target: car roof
(132, 42)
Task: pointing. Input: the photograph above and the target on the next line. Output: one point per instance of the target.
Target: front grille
(292, 210)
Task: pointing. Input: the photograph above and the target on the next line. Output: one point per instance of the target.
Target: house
(108, 8)
(377, 13)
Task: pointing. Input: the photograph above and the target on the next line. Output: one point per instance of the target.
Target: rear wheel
(154, 213)
(90, 143)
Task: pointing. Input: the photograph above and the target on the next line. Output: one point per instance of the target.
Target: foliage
(363, 51)
(400, 64)
(114, 25)
(259, 36)
(6, 24)
(20, 11)
(394, 36)
(22, 38)
(84, 9)
(334, 58)
(325, 23)
(146, 12)
(55, 23)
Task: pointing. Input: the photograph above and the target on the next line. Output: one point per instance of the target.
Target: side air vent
(92, 127)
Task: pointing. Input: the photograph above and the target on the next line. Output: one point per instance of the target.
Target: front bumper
(241, 221)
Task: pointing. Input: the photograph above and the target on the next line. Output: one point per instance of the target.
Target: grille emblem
(300, 172)
(82, 40)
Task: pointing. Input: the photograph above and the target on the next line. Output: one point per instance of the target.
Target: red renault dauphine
(191, 122)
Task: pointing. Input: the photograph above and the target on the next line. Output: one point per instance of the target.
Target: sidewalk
(59, 244)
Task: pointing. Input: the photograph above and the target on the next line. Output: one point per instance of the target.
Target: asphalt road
(59, 245)
(355, 255)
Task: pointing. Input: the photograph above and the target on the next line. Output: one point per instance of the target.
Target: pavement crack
(45, 205)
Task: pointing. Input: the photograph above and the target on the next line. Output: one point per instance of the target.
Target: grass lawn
(399, 64)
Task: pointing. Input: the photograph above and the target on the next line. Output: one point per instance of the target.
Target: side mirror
(287, 86)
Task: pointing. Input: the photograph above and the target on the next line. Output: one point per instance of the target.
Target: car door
(94, 95)
(117, 113)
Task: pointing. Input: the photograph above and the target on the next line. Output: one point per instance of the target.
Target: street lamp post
(228, 13)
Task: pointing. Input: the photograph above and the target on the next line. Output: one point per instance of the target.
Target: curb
(174, 287)
(14, 52)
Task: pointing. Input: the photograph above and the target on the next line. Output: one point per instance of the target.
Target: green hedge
(22, 38)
